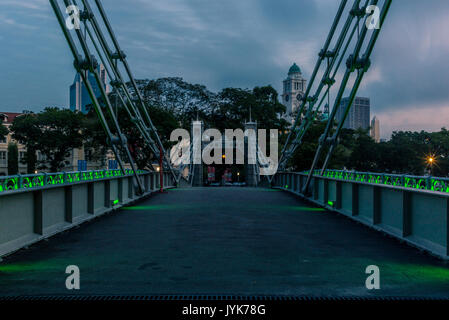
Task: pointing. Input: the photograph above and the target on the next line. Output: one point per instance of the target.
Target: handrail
(31, 181)
(440, 184)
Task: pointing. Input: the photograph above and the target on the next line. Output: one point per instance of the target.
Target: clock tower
(294, 87)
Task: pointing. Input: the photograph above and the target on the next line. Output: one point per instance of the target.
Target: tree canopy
(173, 103)
(54, 132)
(3, 131)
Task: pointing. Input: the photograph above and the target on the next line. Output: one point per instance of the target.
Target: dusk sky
(235, 43)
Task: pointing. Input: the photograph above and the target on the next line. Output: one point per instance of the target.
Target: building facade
(358, 115)
(79, 96)
(73, 160)
(293, 91)
(375, 129)
(6, 119)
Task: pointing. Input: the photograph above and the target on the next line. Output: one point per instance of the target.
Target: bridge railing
(407, 181)
(29, 181)
(34, 207)
(411, 208)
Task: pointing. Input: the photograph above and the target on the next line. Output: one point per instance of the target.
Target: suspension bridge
(291, 233)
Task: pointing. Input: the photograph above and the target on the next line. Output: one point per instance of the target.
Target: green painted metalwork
(439, 184)
(19, 182)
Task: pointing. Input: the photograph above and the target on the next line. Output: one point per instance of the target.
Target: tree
(95, 139)
(3, 131)
(303, 157)
(53, 132)
(164, 121)
(60, 133)
(26, 131)
(364, 156)
(236, 106)
(13, 159)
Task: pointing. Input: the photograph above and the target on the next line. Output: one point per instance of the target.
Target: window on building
(3, 157)
(41, 157)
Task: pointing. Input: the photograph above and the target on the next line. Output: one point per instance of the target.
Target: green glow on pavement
(297, 208)
(306, 209)
(422, 272)
(154, 207)
(34, 266)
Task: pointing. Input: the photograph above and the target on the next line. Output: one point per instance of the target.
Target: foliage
(53, 132)
(3, 131)
(173, 103)
(25, 130)
(13, 159)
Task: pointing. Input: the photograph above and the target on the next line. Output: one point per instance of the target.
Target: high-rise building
(294, 87)
(358, 115)
(79, 96)
(375, 129)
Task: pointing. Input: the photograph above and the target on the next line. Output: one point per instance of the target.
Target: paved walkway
(223, 241)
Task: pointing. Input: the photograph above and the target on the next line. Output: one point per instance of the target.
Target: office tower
(358, 115)
(79, 96)
(375, 129)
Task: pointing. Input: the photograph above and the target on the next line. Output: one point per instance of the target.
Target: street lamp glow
(430, 160)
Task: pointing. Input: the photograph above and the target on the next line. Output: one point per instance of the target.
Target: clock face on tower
(299, 97)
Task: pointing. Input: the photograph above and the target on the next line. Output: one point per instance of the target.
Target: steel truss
(353, 34)
(112, 59)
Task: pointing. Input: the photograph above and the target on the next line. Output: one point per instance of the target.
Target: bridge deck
(223, 240)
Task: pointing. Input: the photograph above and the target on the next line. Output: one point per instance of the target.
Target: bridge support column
(147, 183)
(326, 191)
(120, 190)
(90, 198)
(447, 227)
(315, 188)
(355, 199)
(376, 205)
(107, 194)
(406, 214)
(38, 213)
(68, 204)
(130, 188)
(338, 200)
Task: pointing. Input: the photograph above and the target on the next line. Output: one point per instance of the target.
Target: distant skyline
(234, 43)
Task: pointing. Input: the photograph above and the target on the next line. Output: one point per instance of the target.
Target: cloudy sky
(238, 43)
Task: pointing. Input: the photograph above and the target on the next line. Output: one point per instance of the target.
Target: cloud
(9, 22)
(25, 4)
(222, 43)
(428, 117)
